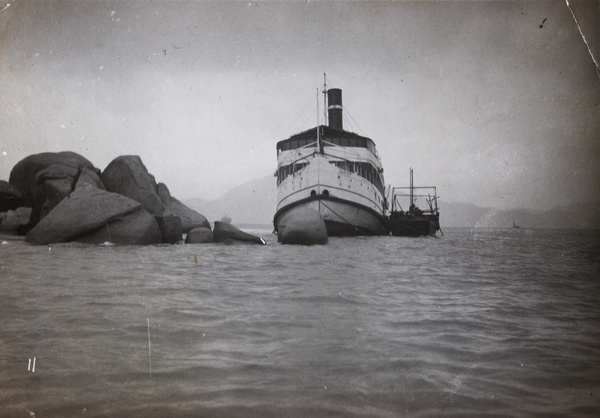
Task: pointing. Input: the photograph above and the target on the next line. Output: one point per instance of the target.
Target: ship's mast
(318, 130)
(412, 203)
(324, 99)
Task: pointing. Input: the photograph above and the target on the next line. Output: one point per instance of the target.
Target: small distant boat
(414, 222)
(515, 225)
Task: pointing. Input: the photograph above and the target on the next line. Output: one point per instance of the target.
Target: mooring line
(342, 218)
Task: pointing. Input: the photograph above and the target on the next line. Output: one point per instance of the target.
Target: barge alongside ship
(414, 221)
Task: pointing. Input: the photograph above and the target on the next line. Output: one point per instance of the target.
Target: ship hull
(342, 218)
(406, 225)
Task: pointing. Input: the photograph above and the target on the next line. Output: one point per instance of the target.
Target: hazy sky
(496, 103)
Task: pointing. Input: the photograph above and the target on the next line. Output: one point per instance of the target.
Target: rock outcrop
(91, 177)
(128, 176)
(71, 200)
(43, 178)
(55, 182)
(229, 234)
(24, 172)
(135, 228)
(170, 228)
(190, 219)
(85, 210)
(303, 226)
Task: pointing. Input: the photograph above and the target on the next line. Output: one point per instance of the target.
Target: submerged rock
(303, 226)
(201, 235)
(229, 234)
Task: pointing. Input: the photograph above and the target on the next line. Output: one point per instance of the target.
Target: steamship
(334, 171)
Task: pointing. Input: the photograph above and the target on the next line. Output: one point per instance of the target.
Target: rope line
(356, 228)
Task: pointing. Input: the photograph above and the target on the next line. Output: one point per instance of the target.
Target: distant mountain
(585, 215)
(255, 202)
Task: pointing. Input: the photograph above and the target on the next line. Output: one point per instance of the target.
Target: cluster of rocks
(62, 197)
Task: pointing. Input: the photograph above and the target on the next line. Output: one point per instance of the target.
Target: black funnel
(334, 108)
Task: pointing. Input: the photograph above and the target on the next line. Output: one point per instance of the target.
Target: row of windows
(365, 170)
(293, 144)
(288, 170)
(351, 142)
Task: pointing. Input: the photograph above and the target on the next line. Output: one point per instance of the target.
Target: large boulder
(170, 228)
(128, 176)
(55, 182)
(91, 177)
(135, 228)
(24, 172)
(303, 226)
(84, 210)
(190, 219)
(226, 233)
(10, 197)
(59, 170)
(200, 235)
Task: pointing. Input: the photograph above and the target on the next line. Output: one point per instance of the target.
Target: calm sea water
(476, 323)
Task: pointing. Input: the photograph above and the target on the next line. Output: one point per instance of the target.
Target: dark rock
(303, 226)
(227, 233)
(84, 210)
(136, 228)
(128, 176)
(170, 228)
(92, 177)
(30, 175)
(163, 193)
(11, 220)
(57, 172)
(200, 235)
(190, 219)
(10, 197)
(25, 171)
(55, 182)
